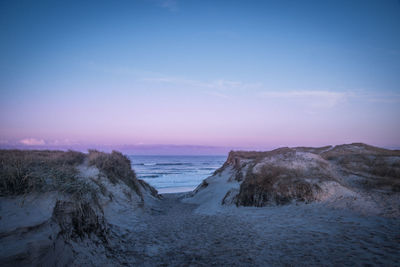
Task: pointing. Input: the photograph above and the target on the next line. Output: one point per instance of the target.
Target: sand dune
(292, 206)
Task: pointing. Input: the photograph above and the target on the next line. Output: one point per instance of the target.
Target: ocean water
(175, 173)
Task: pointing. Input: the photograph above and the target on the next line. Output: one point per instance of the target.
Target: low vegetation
(116, 167)
(379, 168)
(27, 171)
(23, 172)
(275, 185)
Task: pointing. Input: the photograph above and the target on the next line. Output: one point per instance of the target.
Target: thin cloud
(318, 99)
(220, 84)
(62, 142)
(171, 5)
(389, 98)
(217, 94)
(175, 80)
(148, 76)
(32, 142)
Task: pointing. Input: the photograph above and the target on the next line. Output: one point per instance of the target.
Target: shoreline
(173, 190)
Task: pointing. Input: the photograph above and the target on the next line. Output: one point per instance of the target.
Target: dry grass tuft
(276, 185)
(116, 167)
(80, 219)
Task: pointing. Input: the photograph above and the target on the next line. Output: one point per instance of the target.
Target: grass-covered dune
(356, 175)
(28, 171)
(53, 200)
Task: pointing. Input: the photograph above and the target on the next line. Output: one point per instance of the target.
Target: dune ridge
(357, 176)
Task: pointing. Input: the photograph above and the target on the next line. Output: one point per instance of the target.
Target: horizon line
(174, 149)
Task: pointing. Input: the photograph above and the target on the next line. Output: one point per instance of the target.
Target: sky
(234, 74)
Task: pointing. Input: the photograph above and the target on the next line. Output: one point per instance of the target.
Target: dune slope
(62, 208)
(356, 176)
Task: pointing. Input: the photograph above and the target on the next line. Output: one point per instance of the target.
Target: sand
(181, 189)
(175, 234)
(172, 232)
(348, 227)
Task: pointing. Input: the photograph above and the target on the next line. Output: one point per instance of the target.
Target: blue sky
(226, 73)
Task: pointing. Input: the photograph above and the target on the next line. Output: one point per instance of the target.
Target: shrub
(275, 184)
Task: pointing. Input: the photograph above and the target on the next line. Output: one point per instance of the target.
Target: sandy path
(174, 235)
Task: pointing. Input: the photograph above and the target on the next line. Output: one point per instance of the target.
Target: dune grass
(379, 167)
(116, 167)
(274, 184)
(25, 171)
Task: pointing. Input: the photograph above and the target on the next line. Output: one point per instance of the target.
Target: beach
(177, 234)
(96, 212)
(199, 133)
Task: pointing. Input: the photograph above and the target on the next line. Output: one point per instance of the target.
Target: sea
(173, 174)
